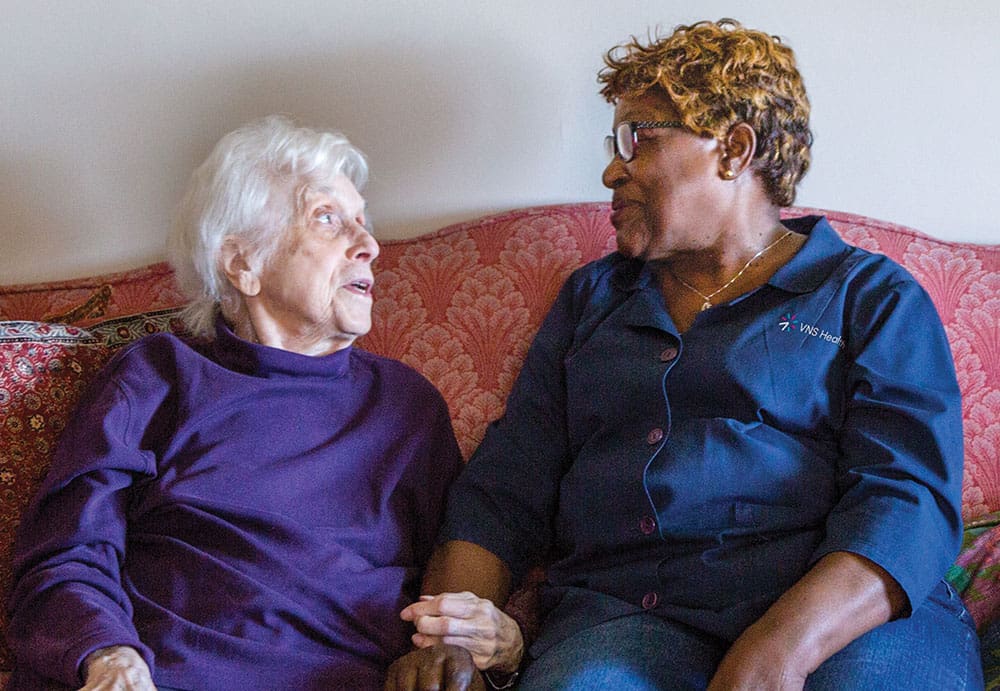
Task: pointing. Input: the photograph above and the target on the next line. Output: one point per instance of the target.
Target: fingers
(117, 668)
(447, 604)
(439, 668)
(454, 614)
(469, 622)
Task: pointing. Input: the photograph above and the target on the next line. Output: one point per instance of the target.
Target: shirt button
(647, 524)
(649, 600)
(655, 435)
(668, 354)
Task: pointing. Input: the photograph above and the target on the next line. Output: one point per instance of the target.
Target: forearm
(458, 566)
(842, 597)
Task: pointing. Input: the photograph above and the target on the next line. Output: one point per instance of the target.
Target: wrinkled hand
(118, 668)
(435, 668)
(470, 622)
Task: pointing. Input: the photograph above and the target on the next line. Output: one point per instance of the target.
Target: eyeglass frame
(611, 147)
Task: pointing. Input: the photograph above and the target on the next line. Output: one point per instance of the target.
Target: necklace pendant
(706, 305)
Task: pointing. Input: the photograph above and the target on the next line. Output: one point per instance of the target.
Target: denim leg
(935, 648)
(638, 652)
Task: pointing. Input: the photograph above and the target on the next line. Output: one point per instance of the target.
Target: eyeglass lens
(622, 143)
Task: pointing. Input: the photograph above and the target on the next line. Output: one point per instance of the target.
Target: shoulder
(826, 259)
(155, 348)
(614, 269)
(607, 280)
(154, 361)
(875, 280)
(398, 378)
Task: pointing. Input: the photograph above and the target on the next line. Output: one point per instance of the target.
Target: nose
(614, 173)
(364, 247)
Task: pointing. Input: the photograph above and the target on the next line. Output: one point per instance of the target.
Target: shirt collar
(258, 360)
(822, 252)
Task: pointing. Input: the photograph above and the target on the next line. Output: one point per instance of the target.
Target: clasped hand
(118, 668)
(457, 634)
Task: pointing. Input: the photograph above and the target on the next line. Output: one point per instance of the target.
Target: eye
(328, 217)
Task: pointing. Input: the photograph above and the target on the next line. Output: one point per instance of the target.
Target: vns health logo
(790, 323)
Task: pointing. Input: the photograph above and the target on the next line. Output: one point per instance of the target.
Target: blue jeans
(935, 648)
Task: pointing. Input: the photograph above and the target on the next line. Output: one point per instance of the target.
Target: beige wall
(463, 107)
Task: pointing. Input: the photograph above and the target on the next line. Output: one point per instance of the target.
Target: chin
(627, 248)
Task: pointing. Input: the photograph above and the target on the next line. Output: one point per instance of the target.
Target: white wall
(463, 107)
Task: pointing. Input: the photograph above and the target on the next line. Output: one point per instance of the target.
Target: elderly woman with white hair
(250, 507)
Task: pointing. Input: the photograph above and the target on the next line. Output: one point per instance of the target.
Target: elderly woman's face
(315, 295)
(662, 197)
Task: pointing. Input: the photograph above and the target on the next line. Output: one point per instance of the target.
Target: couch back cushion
(85, 301)
(461, 306)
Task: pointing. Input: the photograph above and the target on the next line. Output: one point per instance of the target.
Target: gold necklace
(708, 298)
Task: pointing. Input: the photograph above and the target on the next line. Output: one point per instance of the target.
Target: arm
(900, 475)
(498, 521)
(842, 597)
(67, 598)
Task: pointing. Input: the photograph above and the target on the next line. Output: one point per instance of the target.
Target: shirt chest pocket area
(614, 382)
(759, 551)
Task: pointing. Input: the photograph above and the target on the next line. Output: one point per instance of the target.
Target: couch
(461, 305)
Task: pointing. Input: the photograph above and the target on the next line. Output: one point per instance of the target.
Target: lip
(618, 207)
(620, 203)
(362, 285)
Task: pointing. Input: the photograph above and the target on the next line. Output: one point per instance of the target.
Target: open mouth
(362, 286)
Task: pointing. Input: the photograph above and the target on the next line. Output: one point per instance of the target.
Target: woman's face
(665, 198)
(315, 294)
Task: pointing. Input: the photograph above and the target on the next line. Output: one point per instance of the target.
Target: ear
(232, 258)
(738, 147)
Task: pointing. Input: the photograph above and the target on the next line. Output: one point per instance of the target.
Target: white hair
(252, 186)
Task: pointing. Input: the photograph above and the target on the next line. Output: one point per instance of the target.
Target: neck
(708, 277)
(724, 252)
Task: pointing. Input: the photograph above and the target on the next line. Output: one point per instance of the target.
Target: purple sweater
(247, 517)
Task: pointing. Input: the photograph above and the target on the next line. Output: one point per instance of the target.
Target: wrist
(510, 652)
(785, 642)
(500, 680)
(114, 655)
(503, 673)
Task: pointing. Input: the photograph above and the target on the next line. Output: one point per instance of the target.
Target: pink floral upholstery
(461, 306)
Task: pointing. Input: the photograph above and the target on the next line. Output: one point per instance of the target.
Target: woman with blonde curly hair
(740, 464)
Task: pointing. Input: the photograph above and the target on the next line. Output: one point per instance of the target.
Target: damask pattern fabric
(460, 306)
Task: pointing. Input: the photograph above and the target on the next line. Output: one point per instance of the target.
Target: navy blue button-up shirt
(701, 475)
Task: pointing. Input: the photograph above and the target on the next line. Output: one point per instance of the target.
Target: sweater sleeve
(67, 599)
(438, 463)
(901, 448)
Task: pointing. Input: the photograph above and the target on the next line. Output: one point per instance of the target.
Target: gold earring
(729, 174)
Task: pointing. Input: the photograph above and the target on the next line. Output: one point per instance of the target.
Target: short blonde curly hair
(718, 74)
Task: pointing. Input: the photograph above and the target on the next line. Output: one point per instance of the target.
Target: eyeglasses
(624, 141)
